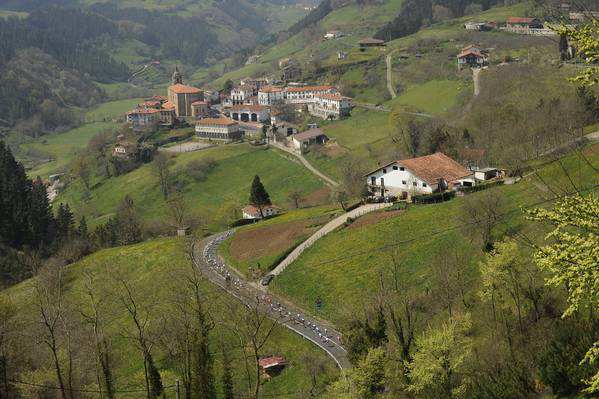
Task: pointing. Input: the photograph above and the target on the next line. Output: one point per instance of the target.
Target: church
(183, 96)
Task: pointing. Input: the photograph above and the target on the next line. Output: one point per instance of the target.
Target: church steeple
(177, 78)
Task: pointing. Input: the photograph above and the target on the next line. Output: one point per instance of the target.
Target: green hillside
(224, 190)
(347, 262)
(155, 271)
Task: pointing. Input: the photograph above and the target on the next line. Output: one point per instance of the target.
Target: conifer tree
(82, 230)
(258, 195)
(41, 219)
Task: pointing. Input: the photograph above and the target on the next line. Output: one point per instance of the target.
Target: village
(262, 109)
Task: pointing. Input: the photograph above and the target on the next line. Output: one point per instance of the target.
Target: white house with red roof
(271, 95)
(472, 56)
(306, 94)
(422, 175)
(330, 106)
(253, 212)
(249, 113)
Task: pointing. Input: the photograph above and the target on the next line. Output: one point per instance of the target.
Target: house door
(383, 186)
(373, 181)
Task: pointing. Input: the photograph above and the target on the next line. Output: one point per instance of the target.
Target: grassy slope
(312, 217)
(338, 282)
(64, 146)
(229, 182)
(154, 269)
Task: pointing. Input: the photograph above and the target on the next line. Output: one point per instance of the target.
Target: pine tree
(41, 219)
(258, 195)
(65, 223)
(82, 230)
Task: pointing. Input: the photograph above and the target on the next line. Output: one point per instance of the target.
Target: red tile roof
(168, 106)
(270, 89)
(216, 121)
(143, 111)
(272, 361)
(520, 20)
(184, 89)
(308, 134)
(470, 52)
(199, 103)
(371, 40)
(432, 167)
(308, 88)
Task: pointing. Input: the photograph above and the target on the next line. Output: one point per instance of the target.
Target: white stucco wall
(395, 178)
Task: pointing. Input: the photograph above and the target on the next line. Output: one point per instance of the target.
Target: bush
(474, 189)
(433, 198)
(199, 169)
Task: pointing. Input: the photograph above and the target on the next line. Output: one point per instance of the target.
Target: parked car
(267, 279)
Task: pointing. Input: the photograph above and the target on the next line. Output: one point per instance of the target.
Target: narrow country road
(476, 79)
(306, 164)
(324, 230)
(389, 75)
(205, 258)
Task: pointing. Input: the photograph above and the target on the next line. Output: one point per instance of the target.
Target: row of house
(425, 175)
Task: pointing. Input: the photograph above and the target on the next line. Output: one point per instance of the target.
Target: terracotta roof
(432, 167)
(371, 40)
(272, 361)
(199, 103)
(470, 52)
(332, 96)
(168, 106)
(520, 20)
(309, 88)
(248, 107)
(216, 121)
(471, 46)
(270, 89)
(308, 134)
(184, 89)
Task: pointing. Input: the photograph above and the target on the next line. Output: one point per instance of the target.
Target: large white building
(271, 95)
(306, 94)
(330, 106)
(422, 175)
(218, 129)
(249, 113)
(240, 94)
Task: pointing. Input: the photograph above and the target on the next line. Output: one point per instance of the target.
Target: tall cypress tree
(258, 195)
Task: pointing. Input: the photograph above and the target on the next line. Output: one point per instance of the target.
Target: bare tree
(49, 300)
(103, 363)
(296, 197)
(178, 211)
(480, 213)
(142, 337)
(161, 169)
(253, 328)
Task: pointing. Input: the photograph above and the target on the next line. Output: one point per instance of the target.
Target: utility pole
(177, 389)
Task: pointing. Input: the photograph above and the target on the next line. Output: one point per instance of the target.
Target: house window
(415, 184)
(403, 182)
(423, 184)
(395, 167)
(402, 168)
(384, 170)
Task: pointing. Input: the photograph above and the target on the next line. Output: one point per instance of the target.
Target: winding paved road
(306, 164)
(205, 258)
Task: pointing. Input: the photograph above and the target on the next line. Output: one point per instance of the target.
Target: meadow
(155, 271)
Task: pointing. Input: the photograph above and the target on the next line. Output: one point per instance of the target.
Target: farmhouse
(330, 106)
(371, 42)
(313, 136)
(522, 25)
(471, 58)
(218, 129)
(333, 34)
(422, 175)
(253, 212)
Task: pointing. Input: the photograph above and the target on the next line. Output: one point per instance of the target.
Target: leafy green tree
(369, 375)
(258, 195)
(572, 257)
(437, 366)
